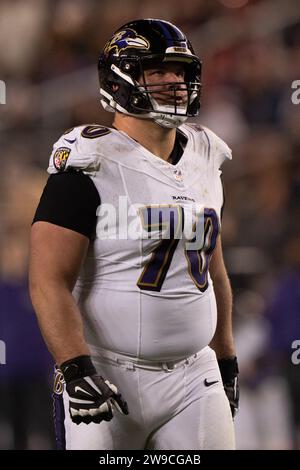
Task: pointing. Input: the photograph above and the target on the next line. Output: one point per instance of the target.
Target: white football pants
(172, 406)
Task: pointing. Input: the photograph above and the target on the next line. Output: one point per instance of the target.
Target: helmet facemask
(168, 103)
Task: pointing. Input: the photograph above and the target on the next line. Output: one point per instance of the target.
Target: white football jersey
(144, 289)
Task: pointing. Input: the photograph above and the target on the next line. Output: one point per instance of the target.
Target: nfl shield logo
(178, 175)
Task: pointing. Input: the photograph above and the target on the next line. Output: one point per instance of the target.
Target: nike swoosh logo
(71, 141)
(82, 390)
(208, 384)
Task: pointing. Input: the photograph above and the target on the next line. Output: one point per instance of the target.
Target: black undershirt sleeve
(70, 200)
(223, 205)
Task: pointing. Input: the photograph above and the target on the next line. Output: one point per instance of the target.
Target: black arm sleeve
(223, 205)
(70, 200)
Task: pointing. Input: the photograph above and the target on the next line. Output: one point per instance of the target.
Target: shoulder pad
(218, 149)
(78, 148)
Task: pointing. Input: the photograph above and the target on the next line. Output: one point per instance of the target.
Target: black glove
(229, 372)
(92, 398)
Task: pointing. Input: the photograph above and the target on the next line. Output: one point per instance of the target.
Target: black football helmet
(139, 45)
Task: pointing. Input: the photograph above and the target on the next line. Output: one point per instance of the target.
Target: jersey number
(171, 218)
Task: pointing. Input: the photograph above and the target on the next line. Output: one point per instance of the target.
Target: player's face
(166, 82)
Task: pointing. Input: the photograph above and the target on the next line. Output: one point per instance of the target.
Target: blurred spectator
(23, 23)
(283, 312)
(25, 391)
(262, 389)
(258, 79)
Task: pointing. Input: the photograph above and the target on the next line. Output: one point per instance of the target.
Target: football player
(126, 270)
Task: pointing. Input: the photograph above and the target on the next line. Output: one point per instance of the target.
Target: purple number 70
(167, 223)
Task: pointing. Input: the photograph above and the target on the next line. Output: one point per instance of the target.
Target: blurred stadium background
(251, 55)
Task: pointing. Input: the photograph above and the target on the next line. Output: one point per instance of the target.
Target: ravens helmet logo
(125, 39)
